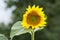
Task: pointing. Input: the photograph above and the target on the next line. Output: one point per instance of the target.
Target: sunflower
(34, 17)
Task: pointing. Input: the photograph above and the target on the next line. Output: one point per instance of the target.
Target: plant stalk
(32, 35)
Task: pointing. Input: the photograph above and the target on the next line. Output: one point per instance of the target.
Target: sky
(5, 14)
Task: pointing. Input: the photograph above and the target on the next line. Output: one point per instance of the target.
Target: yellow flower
(34, 17)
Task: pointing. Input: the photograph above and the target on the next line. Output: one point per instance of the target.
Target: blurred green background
(52, 10)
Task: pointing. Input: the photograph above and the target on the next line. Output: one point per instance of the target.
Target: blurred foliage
(52, 10)
(2, 37)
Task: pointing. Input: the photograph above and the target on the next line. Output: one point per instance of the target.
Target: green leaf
(17, 29)
(38, 29)
(2, 37)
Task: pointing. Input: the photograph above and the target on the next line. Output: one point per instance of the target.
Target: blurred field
(52, 10)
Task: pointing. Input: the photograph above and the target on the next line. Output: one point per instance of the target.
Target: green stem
(11, 38)
(32, 35)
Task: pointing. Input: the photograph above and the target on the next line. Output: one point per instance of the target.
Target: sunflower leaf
(17, 29)
(38, 29)
(2, 37)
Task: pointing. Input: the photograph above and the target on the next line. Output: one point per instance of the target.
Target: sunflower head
(34, 17)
